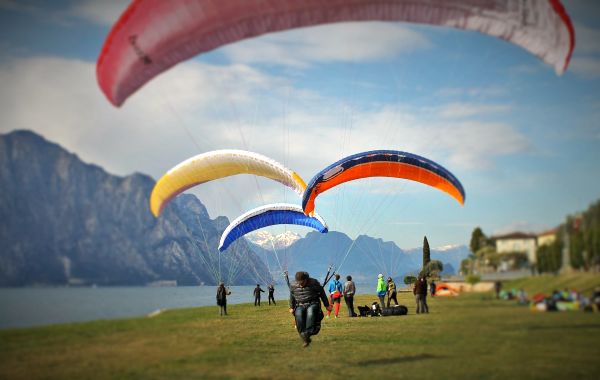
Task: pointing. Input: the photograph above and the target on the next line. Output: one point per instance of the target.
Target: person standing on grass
(420, 292)
(306, 295)
(271, 290)
(335, 292)
(497, 288)
(391, 291)
(349, 290)
(257, 292)
(381, 289)
(432, 288)
(222, 293)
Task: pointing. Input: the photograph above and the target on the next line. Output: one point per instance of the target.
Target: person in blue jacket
(336, 291)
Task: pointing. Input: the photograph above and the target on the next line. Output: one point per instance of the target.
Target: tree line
(580, 234)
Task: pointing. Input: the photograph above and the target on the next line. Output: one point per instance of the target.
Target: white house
(547, 237)
(517, 242)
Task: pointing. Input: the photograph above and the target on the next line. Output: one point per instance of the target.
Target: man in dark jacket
(306, 295)
(222, 293)
(420, 292)
(257, 292)
(271, 290)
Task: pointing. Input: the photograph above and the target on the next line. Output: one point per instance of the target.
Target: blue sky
(524, 142)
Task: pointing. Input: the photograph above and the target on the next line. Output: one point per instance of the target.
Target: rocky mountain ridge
(363, 258)
(68, 222)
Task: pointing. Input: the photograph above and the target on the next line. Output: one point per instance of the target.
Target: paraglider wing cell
(153, 35)
(382, 163)
(269, 215)
(215, 165)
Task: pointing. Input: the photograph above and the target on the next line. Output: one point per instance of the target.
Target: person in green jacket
(381, 289)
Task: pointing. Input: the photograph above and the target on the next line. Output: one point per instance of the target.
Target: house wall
(527, 246)
(546, 239)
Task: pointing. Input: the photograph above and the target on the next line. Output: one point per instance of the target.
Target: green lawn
(582, 282)
(468, 337)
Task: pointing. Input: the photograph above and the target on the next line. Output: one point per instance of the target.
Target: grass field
(468, 337)
(584, 283)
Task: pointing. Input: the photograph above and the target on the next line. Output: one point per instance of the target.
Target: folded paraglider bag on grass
(395, 310)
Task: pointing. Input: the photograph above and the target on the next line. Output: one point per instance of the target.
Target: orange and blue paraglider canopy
(382, 163)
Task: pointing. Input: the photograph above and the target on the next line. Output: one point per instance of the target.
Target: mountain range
(363, 258)
(68, 222)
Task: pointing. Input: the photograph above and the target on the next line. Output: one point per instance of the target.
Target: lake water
(22, 307)
(42, 306)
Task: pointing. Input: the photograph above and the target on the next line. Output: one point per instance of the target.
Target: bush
(549, 258)
(472, 279)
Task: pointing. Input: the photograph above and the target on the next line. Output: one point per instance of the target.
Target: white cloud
(343, 42)
(105, 12)
(13, 5)
(462, 110)
(586, 59)
(521, 226)
(587, 40)
(527, 69)
(200, 107)
(586, 67)
(490, 91)
(473, 144)
(407, 223)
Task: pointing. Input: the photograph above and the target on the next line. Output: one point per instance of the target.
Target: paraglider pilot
(335, 291)
(257, 292)
(222, 293)
(271, 289)
(381, 289)
(306, 294)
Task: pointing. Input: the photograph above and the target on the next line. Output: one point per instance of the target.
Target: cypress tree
(426, 252)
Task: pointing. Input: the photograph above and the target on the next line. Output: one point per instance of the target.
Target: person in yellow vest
(391, 291)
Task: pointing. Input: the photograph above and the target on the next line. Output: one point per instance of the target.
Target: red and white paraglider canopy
(153, 35)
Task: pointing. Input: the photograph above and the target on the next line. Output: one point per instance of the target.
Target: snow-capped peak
(449, 247)
(267, 240)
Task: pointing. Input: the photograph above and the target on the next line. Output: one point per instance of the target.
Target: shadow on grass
(399, 359)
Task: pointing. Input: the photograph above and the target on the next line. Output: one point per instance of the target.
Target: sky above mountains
(524, 142)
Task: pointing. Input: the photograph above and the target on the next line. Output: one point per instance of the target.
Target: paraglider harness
(321, 315)
(370, 311)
